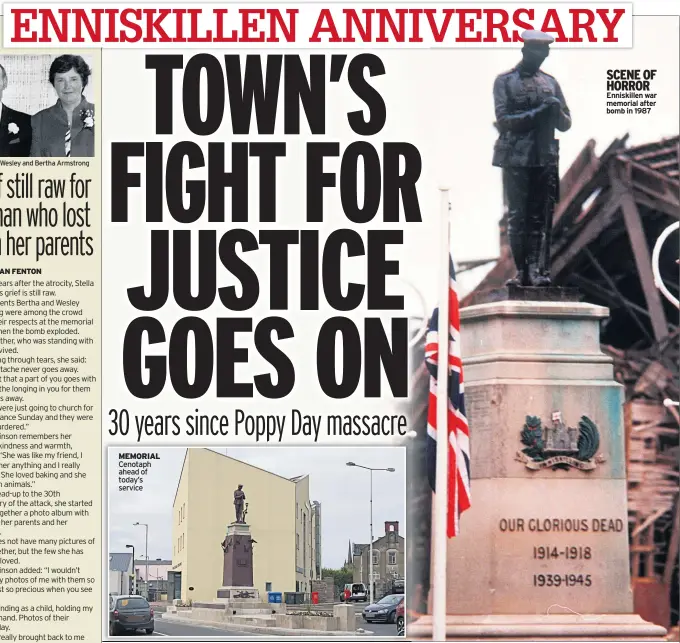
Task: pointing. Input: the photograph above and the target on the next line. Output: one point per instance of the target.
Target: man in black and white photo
(15, 126)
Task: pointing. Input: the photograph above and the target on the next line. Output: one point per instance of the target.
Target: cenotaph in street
(237, 571)
(238, 601)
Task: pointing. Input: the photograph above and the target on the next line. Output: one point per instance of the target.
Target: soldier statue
(239, 499)
(529, 108)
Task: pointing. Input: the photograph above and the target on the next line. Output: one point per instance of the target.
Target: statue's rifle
(551, 202)
(547, 132)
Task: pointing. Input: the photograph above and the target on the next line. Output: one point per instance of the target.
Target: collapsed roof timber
(612, 210)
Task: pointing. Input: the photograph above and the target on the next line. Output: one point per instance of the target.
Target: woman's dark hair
(66, 63)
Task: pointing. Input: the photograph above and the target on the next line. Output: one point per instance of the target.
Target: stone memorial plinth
(543, 552)
(237, 572)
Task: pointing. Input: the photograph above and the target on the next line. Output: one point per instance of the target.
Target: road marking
(160, 633)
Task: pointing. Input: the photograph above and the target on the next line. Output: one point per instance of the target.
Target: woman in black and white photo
(15, 126)
(67, 127)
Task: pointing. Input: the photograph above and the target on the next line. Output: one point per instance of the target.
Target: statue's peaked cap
(533, 37)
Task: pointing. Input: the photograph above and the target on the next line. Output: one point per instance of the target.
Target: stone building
(388, 560)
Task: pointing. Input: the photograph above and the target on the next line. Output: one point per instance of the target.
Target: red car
(400, 620)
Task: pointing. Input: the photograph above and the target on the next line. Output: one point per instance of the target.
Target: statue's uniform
(528, 152)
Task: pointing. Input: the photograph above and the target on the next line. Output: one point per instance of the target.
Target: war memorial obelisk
(542, 554)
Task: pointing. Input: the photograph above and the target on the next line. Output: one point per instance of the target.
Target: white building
(121, 574)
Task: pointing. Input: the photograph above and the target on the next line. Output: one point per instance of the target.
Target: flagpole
(442, 470)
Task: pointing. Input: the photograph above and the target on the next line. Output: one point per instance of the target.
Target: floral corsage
(13, 128)
(87, 118)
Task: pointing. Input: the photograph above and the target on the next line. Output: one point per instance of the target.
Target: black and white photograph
(47, 106)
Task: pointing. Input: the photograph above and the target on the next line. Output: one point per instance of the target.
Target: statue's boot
(518, 255)
(536, 272)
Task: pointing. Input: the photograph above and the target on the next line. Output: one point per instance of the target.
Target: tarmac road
(166, 628)
(175, 630)
(379, 629)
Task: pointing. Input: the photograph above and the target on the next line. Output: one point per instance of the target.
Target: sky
(342, 491)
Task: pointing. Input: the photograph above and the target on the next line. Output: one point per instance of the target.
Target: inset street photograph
(268, 541)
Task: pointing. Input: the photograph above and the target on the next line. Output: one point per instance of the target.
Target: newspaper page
(236, 243)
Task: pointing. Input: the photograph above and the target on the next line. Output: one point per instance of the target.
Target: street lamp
(370, 546)
(146, 552)
(134, 572)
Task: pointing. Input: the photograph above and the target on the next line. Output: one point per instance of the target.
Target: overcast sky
(342, 492)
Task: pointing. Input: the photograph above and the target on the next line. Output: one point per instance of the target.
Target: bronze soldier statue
(530, 106)
(239, 499)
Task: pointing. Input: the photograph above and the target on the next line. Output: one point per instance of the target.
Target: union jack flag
(458, 430)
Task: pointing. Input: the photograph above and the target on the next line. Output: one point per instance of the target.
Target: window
(392, 557)
(376, 556)
(391, 599)
(267, 587)
(131, 603)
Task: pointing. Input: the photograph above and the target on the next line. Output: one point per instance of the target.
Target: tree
(340, 576)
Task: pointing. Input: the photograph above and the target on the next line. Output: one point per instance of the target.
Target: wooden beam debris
(643, 261)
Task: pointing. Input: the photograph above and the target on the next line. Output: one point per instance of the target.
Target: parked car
(401, 625)
(398, 586)
(354, 592)
(385, 610)
(130, 613)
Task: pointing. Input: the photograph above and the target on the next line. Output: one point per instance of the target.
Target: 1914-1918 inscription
(570, 555)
